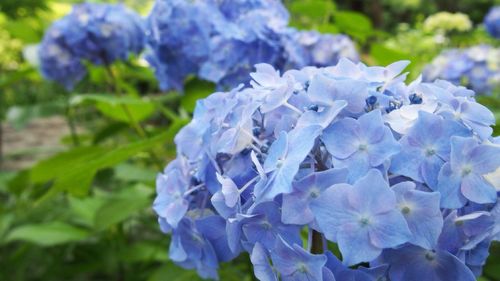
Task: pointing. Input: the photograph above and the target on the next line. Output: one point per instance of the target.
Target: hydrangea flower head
(99, 33)
(446, 22)
(345, 154)
(492, 22)
(476, 67)
(303, 48)
(221, 41)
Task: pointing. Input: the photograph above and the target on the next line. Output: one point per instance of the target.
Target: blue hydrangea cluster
(476, 67)
(492, 22)
(221, 41)
(394, 174)
(97, 33)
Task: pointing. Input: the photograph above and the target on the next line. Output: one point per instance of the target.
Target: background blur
(80, 209)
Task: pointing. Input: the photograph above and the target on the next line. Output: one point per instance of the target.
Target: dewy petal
(475, 188)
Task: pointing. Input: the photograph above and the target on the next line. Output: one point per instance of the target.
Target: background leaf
(48, 234)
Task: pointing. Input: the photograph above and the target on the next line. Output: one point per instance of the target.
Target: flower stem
(317, 243)
(70, 120)
(141, 132)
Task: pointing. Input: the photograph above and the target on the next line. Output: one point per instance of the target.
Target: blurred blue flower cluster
(392, 173)
(221, 41)
(476, 67)
(98, 33)
(492, 22)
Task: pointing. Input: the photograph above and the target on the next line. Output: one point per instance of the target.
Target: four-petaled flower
(362, 218)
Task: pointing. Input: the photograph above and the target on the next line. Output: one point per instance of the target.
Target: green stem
(141, 132)
(71, 121)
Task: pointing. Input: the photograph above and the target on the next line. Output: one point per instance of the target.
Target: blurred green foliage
(84, 213)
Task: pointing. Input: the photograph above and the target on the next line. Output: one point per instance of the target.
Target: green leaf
(85, 209)
(328, 28)
(5, 177)
(119, 209)
(24, 30)
(193, 91)
(48, 234)
(57, 165)
(314, 10)
(172, 272)
(129, 172)
(384, 55)
(119, 108)
(74, 170)
(355, 24)
(5, 222)
(144, 252)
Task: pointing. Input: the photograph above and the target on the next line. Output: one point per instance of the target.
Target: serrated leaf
(47, 234)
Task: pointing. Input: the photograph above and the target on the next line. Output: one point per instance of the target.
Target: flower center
(430, 151)
(405, 210)
(302, 267)
(364, 221)
(415, 99)
(430, 255)
(466, 170)
(266, 225)
(363, 147)
(314, 192)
